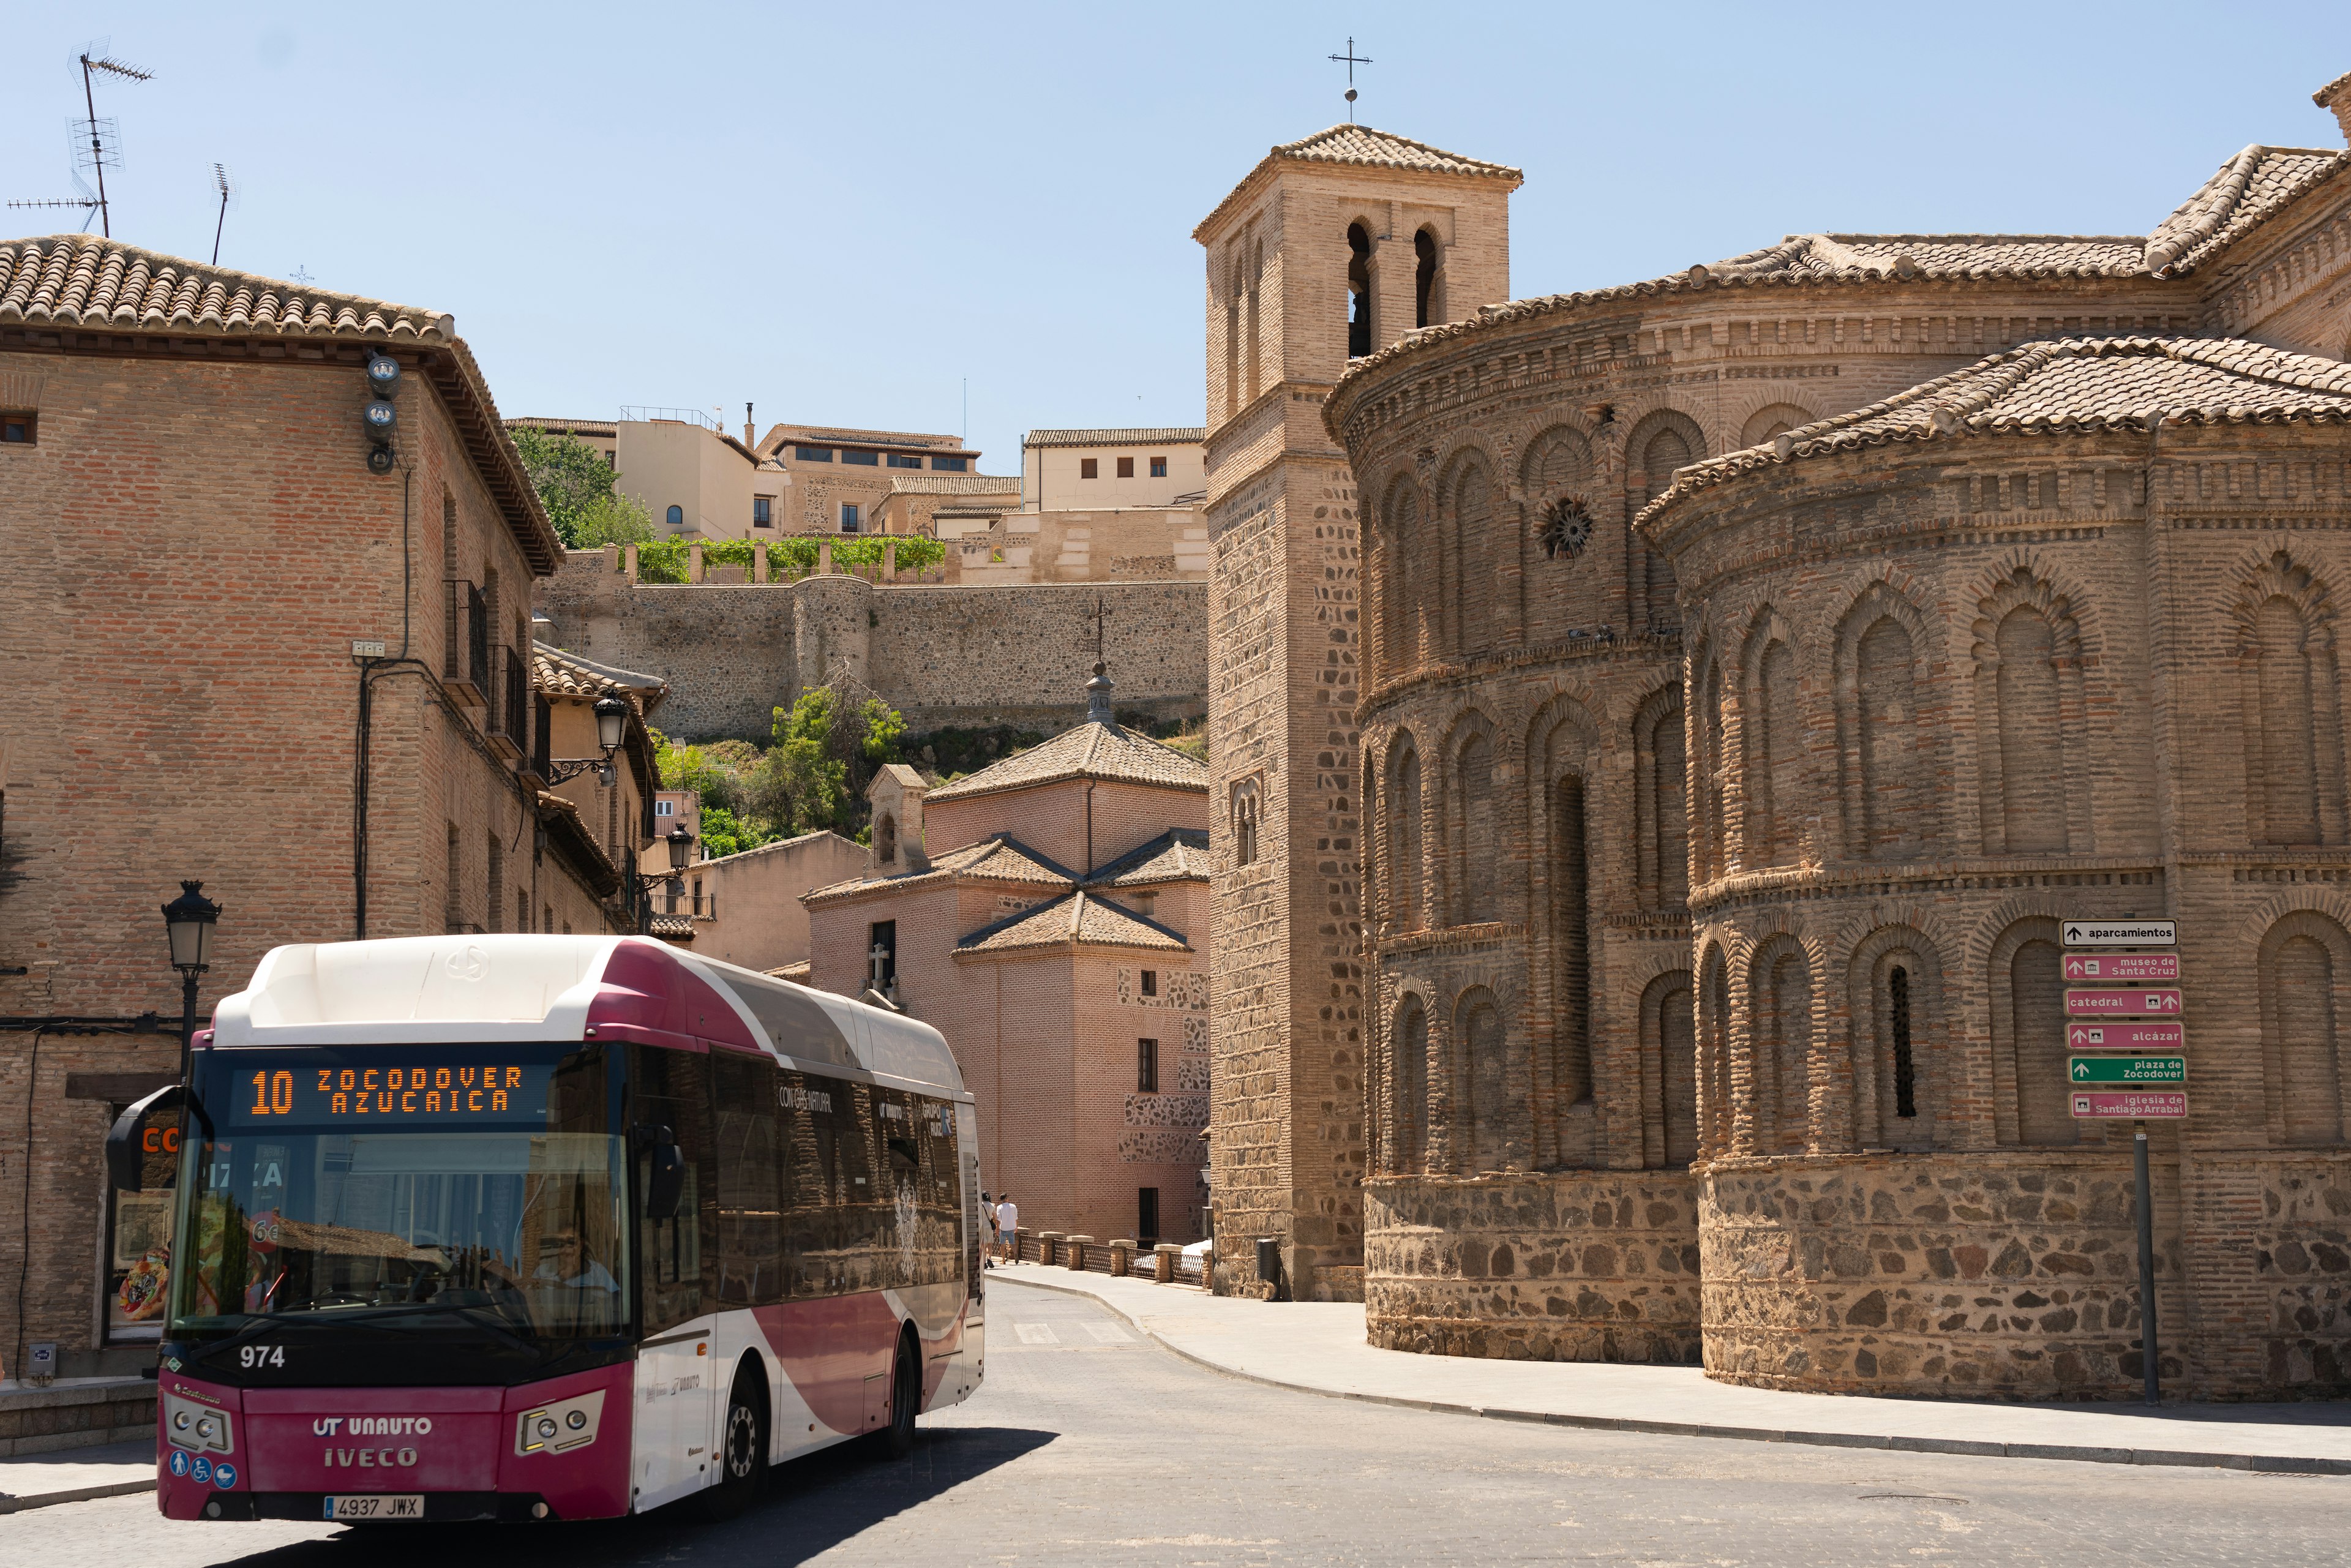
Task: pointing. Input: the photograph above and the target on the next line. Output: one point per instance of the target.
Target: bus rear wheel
(896, 1441)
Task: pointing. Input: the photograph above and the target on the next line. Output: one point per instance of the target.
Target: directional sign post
(2119, 933)
(2157, 1071)
(2124, 1001)
(2134, 968)
(2126, 1034)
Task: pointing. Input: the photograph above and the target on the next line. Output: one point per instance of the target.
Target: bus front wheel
(896, 1441)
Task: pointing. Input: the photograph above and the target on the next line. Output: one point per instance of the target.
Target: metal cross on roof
(1352, 60)
(1101, 613)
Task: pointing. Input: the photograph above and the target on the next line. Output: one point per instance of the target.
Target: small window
(862, 459)
(899, 460)
(950, 464)
(1126, 467)
(881, 954)
(813, 454)
(676, 516)
(1089, 468)
(1245, 806)
(1147, 1214)
(18, 428)
(1147, 1067)
(1150, 982)
(849, 518)
(612, 459)
(1159, 468)
(665, 808)
(763, 511)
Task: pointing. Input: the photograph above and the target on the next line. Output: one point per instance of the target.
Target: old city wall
(733, 652)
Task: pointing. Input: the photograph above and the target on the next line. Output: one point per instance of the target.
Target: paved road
(1089, 1445)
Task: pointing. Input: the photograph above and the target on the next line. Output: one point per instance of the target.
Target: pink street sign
(2123, 1035)
(2113, 967)
(2150, 1104)
(2123, 1002)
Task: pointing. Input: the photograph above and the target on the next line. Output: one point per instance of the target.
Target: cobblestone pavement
(1089, 1446)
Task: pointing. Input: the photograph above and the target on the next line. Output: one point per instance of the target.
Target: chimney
(2336, 99)
(749, 438)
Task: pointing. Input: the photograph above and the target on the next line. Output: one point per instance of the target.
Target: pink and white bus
(524, 1228)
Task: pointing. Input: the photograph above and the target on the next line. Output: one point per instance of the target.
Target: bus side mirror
(665, 1186)
(126, 1148)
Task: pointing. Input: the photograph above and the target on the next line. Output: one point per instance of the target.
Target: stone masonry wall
(975, 656)
(1554, 1266)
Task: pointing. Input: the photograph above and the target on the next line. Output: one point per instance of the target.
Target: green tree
(575, 486)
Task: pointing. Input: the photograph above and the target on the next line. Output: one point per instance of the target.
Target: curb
(2076, 1453)
(77, 1494)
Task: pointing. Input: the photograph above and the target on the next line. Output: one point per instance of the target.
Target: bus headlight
(560, 1426)
(199, 1427)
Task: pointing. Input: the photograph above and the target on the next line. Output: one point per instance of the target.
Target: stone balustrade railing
(1163, 1262)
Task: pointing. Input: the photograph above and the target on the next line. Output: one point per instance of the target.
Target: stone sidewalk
(76, 1475)
(1318, 1348)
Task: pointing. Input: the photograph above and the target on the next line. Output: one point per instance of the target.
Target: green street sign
(2148, 1069)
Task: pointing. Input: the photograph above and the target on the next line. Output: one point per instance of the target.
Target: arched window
(1425, 305)
(675, 516)
(1408, 905)
(1359, 292)
(1571, 926)
(2301, 958)
(1246, 806)
(1410, 1034)
(1713, 784)
(1718, 1118)
(1482, 1127)
(1668, 1073)
(886, 838)
(1899, 1098)
(1475, 832)
(1236, 287)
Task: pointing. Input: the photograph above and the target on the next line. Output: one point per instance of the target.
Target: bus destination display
(437, 1093)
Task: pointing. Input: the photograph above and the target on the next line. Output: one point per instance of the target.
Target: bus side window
(811, 1181)
(674, 1091)
(750, 1179)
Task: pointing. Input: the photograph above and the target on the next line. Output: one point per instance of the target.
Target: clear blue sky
(840, 212)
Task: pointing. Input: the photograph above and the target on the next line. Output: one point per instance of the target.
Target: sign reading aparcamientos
(2119, 933)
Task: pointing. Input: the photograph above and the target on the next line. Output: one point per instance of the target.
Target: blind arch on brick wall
(1661, 828)
(1898, 1041)
(1570, 591)
(1773, 420)
(1885, 725)
(1408, 1031)
(2031, 720)
(1782, 1046)
(1473, 824)
(1665, 440)
(2290, 705)
(1711, 824)
(1772, 733)
(2306, 961)
(2027, 987)
(1715, 1110)
(1484, 1121)
(1471, 507)
(1402, 580)
(1669, 1097)
(1407, 903)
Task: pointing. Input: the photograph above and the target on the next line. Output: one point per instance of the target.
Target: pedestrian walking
(1007, 1227)
(987, 1232)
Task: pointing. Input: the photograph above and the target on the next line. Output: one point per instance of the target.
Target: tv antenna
(103, 136)
(227, 189)
(89, 204)
(1352, 60)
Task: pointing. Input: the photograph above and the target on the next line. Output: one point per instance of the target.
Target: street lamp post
(681, 848)
(188, 920)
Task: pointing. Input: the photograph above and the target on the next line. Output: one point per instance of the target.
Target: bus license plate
(410, 1505)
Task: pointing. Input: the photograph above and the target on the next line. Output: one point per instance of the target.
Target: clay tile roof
(1078, 919)
(1180, 854)
(81, 280)
(955, 483)
(1360, 144)
(563, 674)
(1092, 750)
(2075, 385)
(1000, 859)
(2247, 188)
(1140, 436)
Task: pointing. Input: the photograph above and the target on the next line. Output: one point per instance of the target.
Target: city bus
(548, 1228)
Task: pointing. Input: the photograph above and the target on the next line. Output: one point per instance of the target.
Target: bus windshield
(442, 1189)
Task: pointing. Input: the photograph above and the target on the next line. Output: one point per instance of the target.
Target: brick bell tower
(1333, 246)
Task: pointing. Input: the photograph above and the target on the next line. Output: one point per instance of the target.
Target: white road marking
(1110, 1333)
(1036, 1333)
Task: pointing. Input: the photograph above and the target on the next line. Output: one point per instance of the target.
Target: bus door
(676, 1360)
